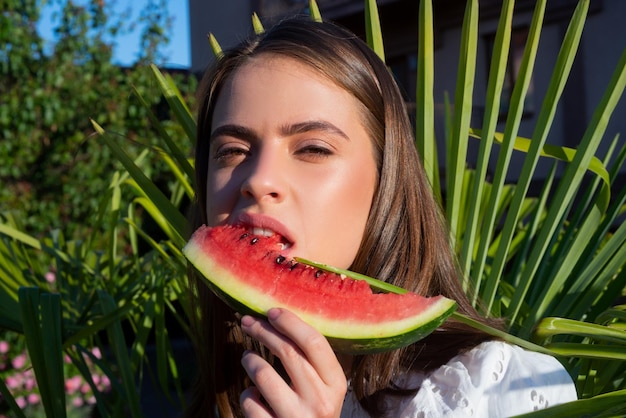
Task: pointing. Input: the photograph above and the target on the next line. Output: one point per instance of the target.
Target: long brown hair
(405, 240)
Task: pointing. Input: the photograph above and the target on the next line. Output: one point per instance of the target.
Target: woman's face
(289, 154)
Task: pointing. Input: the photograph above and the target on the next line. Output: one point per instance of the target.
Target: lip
(264, 221)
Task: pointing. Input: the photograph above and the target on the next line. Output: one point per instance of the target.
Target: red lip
(263, 221)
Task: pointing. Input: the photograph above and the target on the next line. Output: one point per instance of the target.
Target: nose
(266, 178)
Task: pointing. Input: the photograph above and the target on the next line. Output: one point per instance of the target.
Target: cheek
(221, 196)
(351, 204)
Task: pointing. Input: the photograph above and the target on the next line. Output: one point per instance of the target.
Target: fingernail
(273, 313)
(246, 320)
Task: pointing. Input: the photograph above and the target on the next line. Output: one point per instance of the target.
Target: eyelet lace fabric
(494, 379)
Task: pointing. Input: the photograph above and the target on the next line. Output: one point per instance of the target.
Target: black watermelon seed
(254, 240)
(244, 235)
(280, 259)
(318, 274)
(293, 265)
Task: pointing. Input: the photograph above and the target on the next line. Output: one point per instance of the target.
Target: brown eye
(228, 155)
(314, 151)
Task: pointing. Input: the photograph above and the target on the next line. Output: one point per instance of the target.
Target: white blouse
(494, 379)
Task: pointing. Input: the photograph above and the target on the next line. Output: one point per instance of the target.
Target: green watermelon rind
(350, 338)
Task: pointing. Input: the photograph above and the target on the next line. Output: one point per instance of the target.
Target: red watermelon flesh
(249, 273)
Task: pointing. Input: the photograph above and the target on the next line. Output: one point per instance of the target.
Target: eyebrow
(239, 131)
(314, 125)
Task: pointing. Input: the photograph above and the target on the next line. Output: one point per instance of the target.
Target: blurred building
(603, 42)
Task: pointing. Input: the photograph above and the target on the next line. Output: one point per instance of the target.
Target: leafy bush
(53, 169)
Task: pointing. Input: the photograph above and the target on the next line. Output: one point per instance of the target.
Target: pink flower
(72, 384)
(21, 402)
(50, 277)
(85, 388)
(13, 382)
(91, 400)
(19, 361)
(4, 347)
(29, 383)
(105, 383)
(77, 401)
(96, 352)
(33, 399)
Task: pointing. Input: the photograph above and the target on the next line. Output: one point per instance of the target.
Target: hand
(318, 383)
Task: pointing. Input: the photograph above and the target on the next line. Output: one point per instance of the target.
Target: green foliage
(53, 169)
(108, 294)
(536, 260)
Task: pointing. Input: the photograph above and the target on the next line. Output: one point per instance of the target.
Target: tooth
(262, 231)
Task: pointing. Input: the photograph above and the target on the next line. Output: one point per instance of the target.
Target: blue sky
(178, 51)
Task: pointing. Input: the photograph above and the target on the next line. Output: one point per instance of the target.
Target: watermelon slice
(249, 273)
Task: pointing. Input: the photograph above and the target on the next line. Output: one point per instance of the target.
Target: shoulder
(493, 379)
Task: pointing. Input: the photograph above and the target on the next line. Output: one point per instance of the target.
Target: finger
(269, 386)
(305, 379)
(252, 404)
(313, 345)
(320, 398)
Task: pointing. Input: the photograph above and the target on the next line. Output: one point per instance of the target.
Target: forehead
(296, 89)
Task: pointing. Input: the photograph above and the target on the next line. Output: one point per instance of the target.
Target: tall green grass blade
(556, 152)
(78, 360)
(614, 314)
(20, 236)
(572, 177)
(166, 363)
(611, 372)
(12, 264)
(515, 112)
(462, 117)
(97, 325)
(10, 401)
(588, 267)
(161, 220)
(373, 34)
(175, 259)
(114, 210)
(533, 227)
(314, 11)
(590, 351)
(160, 333)
(173, 216)
(500, 334)
(424, 98)
(594, 278)
(606, 405)
(175, 151)
(549, 327)
(177, 104)
(619, 161)
(544, 122)
(119, 350)
(497, 73)
(31, 302)
(182, 177)
(215, 47)
(257, 25)
(53, 349)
